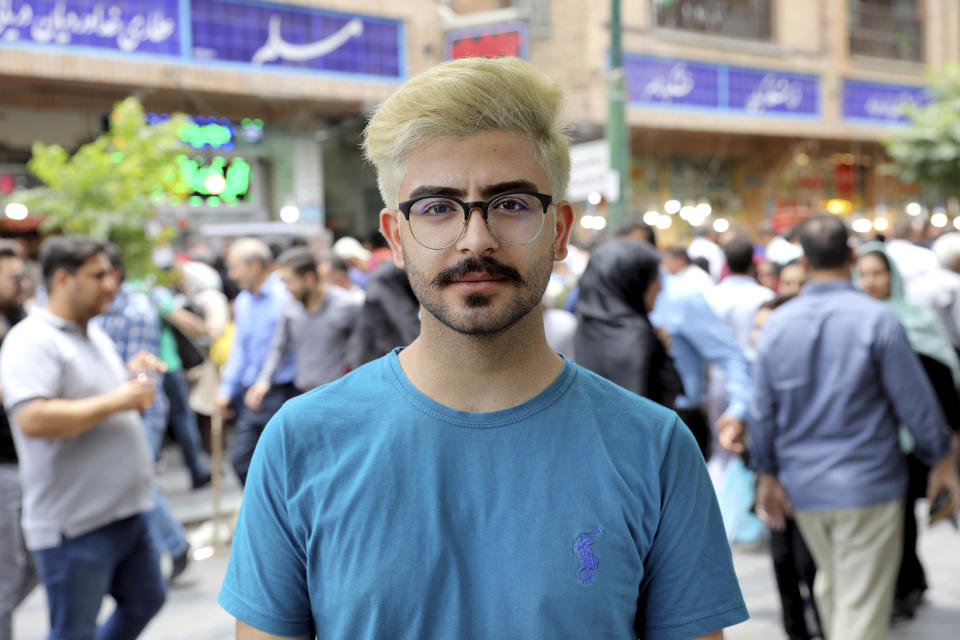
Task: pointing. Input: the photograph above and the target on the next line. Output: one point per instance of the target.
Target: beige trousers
(857, 552)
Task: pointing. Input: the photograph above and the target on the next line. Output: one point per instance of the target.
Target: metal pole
(617, 134)
(216, 446)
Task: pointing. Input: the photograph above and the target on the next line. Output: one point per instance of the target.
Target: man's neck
(315, 298)
(258, 283)
(63, 310)
(481, 373)
(828, 275)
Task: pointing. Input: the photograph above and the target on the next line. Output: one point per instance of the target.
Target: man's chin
(477, 300)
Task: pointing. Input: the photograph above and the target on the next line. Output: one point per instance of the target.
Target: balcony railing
(887, 29)
(749, 19)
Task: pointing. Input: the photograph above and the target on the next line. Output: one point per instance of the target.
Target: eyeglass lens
(514, 218)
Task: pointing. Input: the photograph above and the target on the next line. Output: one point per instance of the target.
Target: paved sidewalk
(191, 611)
(937, 619)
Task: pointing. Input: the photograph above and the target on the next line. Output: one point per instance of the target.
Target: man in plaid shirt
(133, 325)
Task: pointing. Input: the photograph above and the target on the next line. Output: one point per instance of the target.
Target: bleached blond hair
(461, 98)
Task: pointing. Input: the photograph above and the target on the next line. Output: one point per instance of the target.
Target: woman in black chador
(614, 336)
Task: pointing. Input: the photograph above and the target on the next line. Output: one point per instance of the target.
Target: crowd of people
(842, 414)
(235, 335)
(464, 479)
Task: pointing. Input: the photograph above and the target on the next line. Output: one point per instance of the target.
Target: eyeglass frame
(546, 200)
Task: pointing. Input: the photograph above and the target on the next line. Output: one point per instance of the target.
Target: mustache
(483, 264)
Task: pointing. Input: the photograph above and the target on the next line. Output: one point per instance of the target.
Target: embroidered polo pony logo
(588, 560)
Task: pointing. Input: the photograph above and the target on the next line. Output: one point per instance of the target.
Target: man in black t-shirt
(17, 575)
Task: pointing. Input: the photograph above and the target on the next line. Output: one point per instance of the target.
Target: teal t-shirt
(372, 511)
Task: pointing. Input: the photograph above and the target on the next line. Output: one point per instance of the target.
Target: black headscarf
(614, 336)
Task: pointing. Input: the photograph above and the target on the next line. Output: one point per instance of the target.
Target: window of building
(887, 29)
(748, 19)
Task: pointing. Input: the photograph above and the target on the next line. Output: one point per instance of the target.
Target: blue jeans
(119, 559)
(183, 422)
(167, 532)
(250, 425)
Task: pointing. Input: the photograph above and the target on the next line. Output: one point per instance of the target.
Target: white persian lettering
(774, 91)
(59, 26)
(277, 49)
(676, 83)
(10, 22)
(888, 106)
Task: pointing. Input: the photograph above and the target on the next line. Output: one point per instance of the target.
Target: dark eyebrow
(487, 192)
(432, 190)
(502, 187)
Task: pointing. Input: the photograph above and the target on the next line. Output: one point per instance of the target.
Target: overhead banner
(245, 32)
(876, 103)
(669, 83)
(130, 26)
(299, 37)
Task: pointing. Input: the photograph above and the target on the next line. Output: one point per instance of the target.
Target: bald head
(248, 263)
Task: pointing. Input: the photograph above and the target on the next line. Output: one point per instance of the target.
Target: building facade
(761, 109)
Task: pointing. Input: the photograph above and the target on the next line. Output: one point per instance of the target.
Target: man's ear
(390, 222)
(802, 259)
(564, 226)
(60, 276)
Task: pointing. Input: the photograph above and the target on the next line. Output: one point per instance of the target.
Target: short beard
(530, 294)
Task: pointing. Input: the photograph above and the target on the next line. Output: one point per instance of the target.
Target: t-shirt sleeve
(689, 586)
(266, 580)
(29, 369)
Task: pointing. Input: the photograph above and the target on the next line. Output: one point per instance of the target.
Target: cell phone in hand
(940, 509)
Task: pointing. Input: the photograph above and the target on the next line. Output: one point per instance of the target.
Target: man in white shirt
(912, 259)
(676, 260)
(737, 298)
(940, 288)
(705, 246)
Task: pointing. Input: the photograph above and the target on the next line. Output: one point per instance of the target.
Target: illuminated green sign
(221, 181)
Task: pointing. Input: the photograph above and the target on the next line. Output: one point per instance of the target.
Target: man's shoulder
(33, 327)
(139, 307)
(341, 298)
(357, 390)
(838, 303)
(597, 391)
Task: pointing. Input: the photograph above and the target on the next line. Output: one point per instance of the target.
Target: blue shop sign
(130, 26)
(296, 37)
(669, 83)
(247, 32)
(880, 103)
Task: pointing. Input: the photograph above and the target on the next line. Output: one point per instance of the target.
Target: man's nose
(476, 236)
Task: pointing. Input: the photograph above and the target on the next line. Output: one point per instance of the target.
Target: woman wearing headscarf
(878, 276)
(614, 337)
(202, 286)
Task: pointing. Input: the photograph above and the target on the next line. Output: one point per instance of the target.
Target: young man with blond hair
(475, 483)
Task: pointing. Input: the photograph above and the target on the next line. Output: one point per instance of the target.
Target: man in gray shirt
(315, 326)
(84, 460)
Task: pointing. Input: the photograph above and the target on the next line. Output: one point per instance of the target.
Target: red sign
(492, 45)
(489, 41)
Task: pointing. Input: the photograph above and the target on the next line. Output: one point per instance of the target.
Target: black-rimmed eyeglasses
(514, 218)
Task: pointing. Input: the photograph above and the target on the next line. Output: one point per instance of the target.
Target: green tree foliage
(927, 151)
(110, 187)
